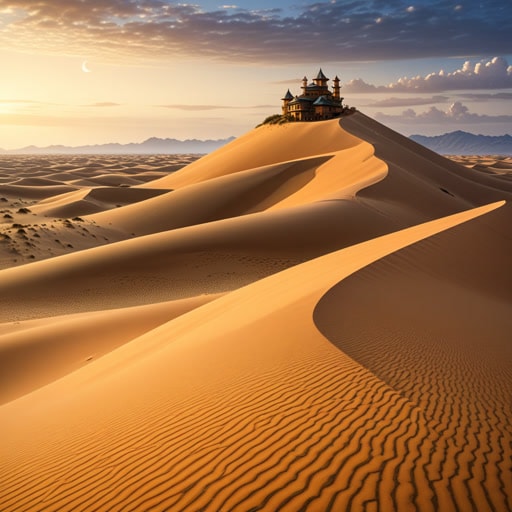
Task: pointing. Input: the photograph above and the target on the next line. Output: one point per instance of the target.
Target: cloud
(22, 101)
(199, 108)
(486, 97)
(192, 108)
(20, 119)
(457, 113)
(491, 74)
(27, 104)
(408, 102)
(103, 104)
(316, 31)
(290, 81)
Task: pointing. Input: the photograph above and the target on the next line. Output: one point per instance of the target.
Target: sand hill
(314, 317)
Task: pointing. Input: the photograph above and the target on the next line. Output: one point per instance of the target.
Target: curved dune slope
(230, 182)
(440, 335)
(34, 192)
(281, 421)
(297, 166)
(92, 200)
(221, 197)
(265, 145)
(207, 258)
(315, 317)
(36, 352)
(420, 182)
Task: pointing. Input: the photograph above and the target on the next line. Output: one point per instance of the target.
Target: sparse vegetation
(277, 119)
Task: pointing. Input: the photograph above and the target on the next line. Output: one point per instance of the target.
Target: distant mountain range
(153, 145)
(463, 143)
(453, 143)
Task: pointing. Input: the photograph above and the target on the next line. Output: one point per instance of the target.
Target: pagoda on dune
(316, 102)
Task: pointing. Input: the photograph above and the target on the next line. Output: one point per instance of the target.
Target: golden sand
(314, 317)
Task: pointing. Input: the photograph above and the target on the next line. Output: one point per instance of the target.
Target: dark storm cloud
(321, 31)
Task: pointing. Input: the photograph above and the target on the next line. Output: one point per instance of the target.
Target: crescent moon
(85, 69)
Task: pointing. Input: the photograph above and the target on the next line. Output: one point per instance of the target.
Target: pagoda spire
(321, 80)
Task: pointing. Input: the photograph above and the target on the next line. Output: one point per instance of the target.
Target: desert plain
(317, 316)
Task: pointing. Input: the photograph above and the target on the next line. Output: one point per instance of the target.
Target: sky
(78, 72)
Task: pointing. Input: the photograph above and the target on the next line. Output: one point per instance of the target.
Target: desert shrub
(276, 119)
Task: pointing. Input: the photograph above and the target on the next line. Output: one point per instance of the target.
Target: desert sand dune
(92, 200)
(438, 185)
(276, 423)
(33, 192)
(440, 336)
(27, 237)
(207, 258)
(37, 352)
(218, 198)
(314, 317)
(62, 176)
(62, 188)
(36, 182)
(265, 146)
(114, 180)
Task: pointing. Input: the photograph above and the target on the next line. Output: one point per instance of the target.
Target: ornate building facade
(316, 101)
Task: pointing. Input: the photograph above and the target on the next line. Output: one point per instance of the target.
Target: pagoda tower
(304, 85)
(336, 88)
(286, 99)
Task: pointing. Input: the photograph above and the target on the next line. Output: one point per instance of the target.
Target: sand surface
(316, 316)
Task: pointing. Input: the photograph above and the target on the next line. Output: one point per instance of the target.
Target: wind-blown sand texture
(316, 316)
